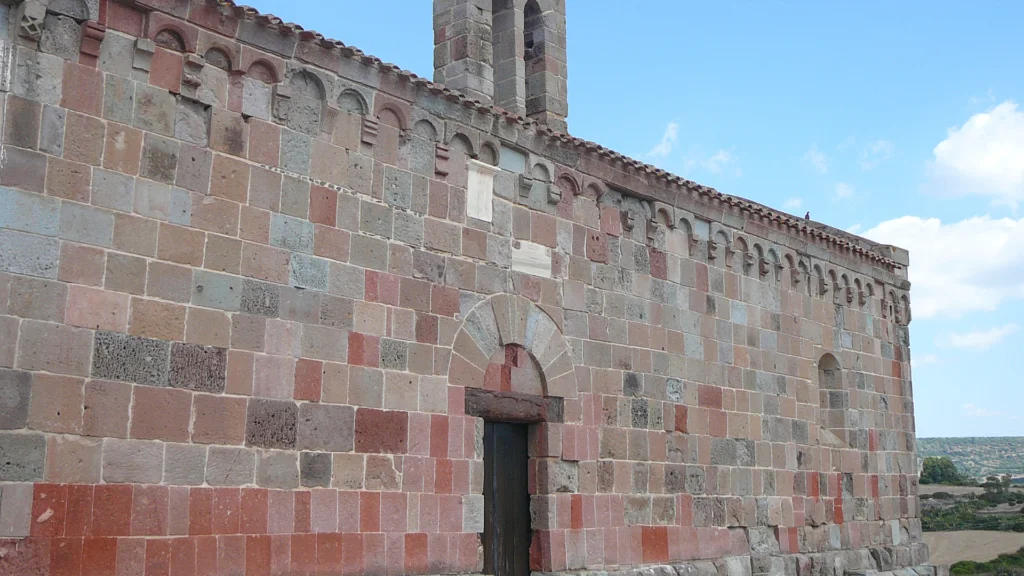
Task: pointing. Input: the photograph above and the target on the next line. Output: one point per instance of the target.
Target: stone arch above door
(506, 319)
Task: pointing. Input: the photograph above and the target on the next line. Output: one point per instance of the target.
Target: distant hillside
(978, 456)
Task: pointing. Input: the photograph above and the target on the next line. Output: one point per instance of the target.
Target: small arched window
(834, 401)
(532, 24)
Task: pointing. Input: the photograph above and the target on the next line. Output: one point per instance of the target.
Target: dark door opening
(506, 500)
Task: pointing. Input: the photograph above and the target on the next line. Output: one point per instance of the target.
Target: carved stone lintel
(513, 406)
(554, 194)
(92, 36)
(441, 156)
(525, 185)
(144, 49)
(370, 127)
(30, 15)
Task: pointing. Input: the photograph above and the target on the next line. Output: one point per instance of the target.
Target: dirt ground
(977, 545)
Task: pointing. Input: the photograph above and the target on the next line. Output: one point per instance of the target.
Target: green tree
(941, 470)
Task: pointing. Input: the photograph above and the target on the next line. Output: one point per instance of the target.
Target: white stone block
(480, 190)
(531, 258)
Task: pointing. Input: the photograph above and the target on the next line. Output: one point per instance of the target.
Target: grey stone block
(394, 354)
(299, 305)
(16, 510)
(154, 109)
(159, 159)
(429, 266)
(326, 427)
(51, 131)
(346, 280)
(117, 52)
(271, 423)
(308, 272)
(184, 464)
(133, 461)
(337, 312)
(473, 513)
(21, 457)
(86, 224)
(27, 254)
(192, 122)
(194, 166)
(277, 469)
(254, 33)
(113, 190)
(119, 97)
(255, 98)
(61, 37)
(15, 391)
(376, 219)
(295, 197)
(296, 150)
(199, 368)
(409, 228)
(260, 298)
(230, 466)
(215, 290)
(130, 358)
(315, 468)
(397, 187)
(29, 212)
(295, 234)
(76, 9)
(38, 76)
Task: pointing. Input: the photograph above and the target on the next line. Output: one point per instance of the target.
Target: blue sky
(897, 120)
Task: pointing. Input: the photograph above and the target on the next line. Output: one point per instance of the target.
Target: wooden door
(506, 500)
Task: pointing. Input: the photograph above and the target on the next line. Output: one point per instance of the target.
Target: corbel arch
(507, 319)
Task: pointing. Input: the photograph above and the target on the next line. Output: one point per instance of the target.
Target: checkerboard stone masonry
(257, 289)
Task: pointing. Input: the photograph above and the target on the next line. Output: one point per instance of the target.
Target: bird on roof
(807, 216)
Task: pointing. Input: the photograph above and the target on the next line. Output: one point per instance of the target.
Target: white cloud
(985, 156)
(923, 360)
(971, 265)
(979, 339)
(977, 412)
(817, 159)
(843, 191)
(667, 143)
(721, 161)
(875, 154)
(792, 204)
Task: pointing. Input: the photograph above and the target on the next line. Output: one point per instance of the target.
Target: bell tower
(510, 53)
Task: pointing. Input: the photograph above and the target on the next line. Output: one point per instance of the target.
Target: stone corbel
(748, 261)
(897, 313)
(441, 156)
(30, 15)
(822, 286)
(192, 76)
(849, 295)
(525, 185)
(885, 308)
(630, 222)
(554, 194)
(652, 229)
(862, 297)
(729, 255)
(280, 95)
(370, 128)
(762, 267)
(795, 276)
(92, 36)
(712, 250)
(143, 60)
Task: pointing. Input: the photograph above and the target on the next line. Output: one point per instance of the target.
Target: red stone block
(258, 558)
(611, 221)
(363, 349)
(226, 510)
(450, 513)
(131, 555)
(655, 544)
(444, 300)
(206, 556)
(709, 396)
(659, 264)
(353, 547)
(394, 561)
(165, 70)
(329, 552)
(426, 328)
(158, 557)
(66, 557)
(382, 287)
(177, 510)
(200, 511)
(183, 557)
(82, 89)
(231, 554)
(303, 554)
(681, 414)
(597, 246)
(718, 423)
(99, 556)
(213, 17)
(416, 553)
(253, 511)
(280, 553)
(369, 511)
(302, 511)
(394, 512)
(438, 436)
(149, 511)
(78, 516)
(49, 505)
(323, 205)
(264, 142)
(124, 18)
(381, 431)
